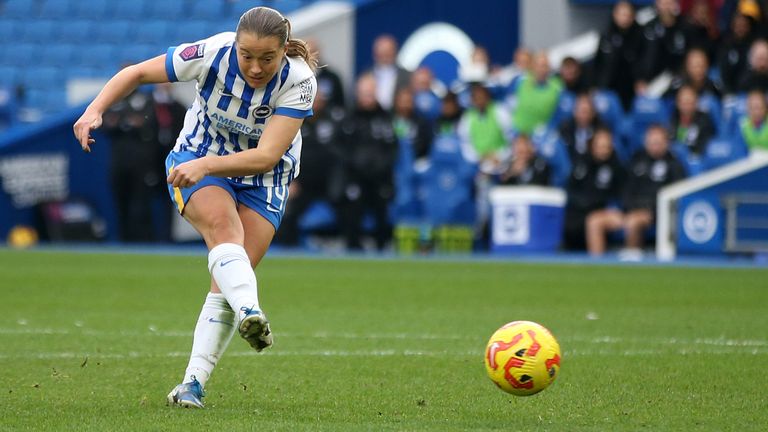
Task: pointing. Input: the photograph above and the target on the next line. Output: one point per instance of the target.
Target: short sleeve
(297, 101)
(191, 61)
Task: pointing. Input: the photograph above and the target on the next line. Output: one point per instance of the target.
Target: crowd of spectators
(642, 113)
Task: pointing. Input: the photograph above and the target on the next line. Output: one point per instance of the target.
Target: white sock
(231, 269)
(213, 332)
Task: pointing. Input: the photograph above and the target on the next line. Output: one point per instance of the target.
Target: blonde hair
(267, 22)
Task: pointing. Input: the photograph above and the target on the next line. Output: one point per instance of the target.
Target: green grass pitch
(96, 341)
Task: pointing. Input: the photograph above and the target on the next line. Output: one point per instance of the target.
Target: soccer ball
(522, 358)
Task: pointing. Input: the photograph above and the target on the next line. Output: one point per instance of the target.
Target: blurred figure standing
(169, 115)
(320, 167)
(369, 149)
(734, 51)
(756, 76)
(388, 75)
(595, 183)
(410, 126)
(577, 131)
(667, 38)
(618, 53)
(328, 81)
(425, 100)
(132, 127)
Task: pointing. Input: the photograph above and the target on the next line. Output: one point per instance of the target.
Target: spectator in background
(577, 131)
(369, 149)
(320, 167)
(450, 114)
(734, 51)
(536, 97)
(667, 39)
(695, 75)
(132, 128)
(388, 75)
(649, 170)
(426, 101)
(328, 81)
(690, 126)
(756, 76)
(595, 183)
(526, 167)
(410, 126)
(485, 131)
(169, 115)
(753, 129)
(572, 76)
(701, 22)
(521, 65)
(616, 64)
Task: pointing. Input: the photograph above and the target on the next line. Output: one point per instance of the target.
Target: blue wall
(493, 24)
(87, 179)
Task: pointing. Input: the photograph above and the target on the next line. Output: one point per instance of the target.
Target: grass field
(96, 341)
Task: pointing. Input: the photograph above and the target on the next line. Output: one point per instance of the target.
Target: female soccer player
(230, 169)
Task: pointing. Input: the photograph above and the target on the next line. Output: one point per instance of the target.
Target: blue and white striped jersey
(228, 115)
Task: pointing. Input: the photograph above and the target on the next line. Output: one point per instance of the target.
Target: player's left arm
(274, 142)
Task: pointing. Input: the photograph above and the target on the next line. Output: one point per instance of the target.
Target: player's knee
(222, 229)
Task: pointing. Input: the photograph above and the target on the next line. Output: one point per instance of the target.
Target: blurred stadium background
(56, 54)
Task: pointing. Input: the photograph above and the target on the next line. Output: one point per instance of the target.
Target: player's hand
(89, 121)
(188, 174)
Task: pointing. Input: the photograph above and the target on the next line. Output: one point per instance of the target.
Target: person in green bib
(536, 96)
(485, 131)
(753, 128)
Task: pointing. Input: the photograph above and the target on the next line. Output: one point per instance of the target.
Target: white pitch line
(572, 340)
(368, 353)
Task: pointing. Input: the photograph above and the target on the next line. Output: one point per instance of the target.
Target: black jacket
(320, 149)
(646, 176)
(369, 147)
(577, 142)
(594, 184)
(698, 134)
(733, 61)
(617, 61)
(665, 47)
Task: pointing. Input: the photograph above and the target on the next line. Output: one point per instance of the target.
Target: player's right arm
(122, 84)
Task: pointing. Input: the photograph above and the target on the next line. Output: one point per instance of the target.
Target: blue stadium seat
(61, 55)
(564, 109)
(693, 164)
(55, 99)
(9, 76)
(130, 10)
(24, 53)
(608, 107)
(734, 108)
(549, 146)
(645, 112)
(449, 184)
(35, 98)
(55, 9)
(98, 55)
(172, 10)
(8, 30)
(42, 31)
(407, 205)
(191, 31)
(710, 104)
(92, 9)
(154, 32)
(135, 53)
(721, 151)
(18, 9)
(76, 31)
(119, 32)
(206, 10)
(42, 77)
(77, 71)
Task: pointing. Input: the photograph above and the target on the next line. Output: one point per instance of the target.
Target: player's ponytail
(265, 22)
